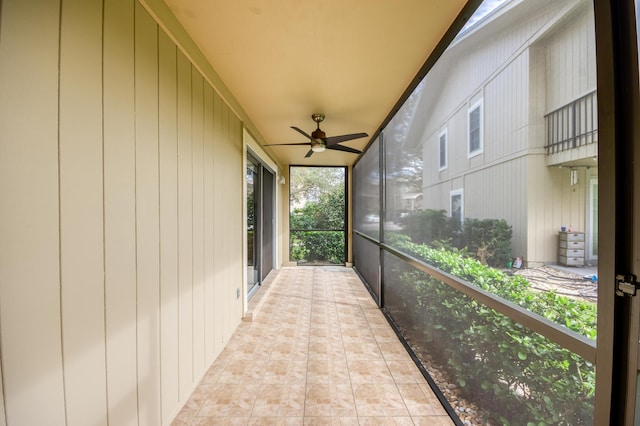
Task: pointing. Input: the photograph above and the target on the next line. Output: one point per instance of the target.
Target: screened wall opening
(475, 214)
(317, 215)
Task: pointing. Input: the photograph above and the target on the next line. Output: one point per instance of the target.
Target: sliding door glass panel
(268, 212)
(253, 228)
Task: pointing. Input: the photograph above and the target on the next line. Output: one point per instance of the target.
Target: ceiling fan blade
(284, 144)
(302, 132)
(344, 148)
(309, 154)
(332, 140)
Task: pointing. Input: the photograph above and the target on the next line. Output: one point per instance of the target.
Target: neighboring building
(518, 109)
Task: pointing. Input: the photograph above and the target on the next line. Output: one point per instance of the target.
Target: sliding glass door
(260, 227)
(253, 224)
(268, 205)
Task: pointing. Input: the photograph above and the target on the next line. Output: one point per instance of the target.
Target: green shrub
(516, 375)
(428, 226)
(317, 247)
(488, 240)
(312, 235)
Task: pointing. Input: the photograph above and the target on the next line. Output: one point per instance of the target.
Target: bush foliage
(516, 375)
(317, 246)
(314, 237)
(488, 240)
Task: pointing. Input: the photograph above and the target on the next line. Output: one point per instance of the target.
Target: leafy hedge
(312, 238)
(317, 246)
(516, 375)
(427, 226)
(489, 240)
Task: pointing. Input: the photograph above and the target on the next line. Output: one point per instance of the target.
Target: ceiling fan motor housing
(318, 134)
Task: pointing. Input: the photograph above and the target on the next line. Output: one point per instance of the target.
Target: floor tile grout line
(386, 363)
(353, 396)
(260, 386)
(318, 286)
(262, 382)
(306, 381)
(384, 359)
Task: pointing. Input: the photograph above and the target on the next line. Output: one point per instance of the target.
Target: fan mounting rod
(318, 134)
(318, 118)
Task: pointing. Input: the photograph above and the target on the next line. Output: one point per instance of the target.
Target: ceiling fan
(319, 140)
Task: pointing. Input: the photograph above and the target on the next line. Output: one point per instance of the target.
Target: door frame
(592, 236)
(619, 195)
(267, 221)
(345, 228)
(251, 156)
(257, 226)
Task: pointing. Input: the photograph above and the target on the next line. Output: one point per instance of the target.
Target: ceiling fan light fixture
(318, 147)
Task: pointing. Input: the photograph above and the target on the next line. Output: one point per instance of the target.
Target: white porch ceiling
(286, 59)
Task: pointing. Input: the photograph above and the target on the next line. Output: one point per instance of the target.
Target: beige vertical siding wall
(521, 70)
(570, 62)
(475, 60)
(492, 65)
(121, 220)
(505, 197)
(494, 182)
(563, 69)
(553, 202)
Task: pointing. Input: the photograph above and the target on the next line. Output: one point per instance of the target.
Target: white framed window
(442, 150)
(456, 205)
(475, 122)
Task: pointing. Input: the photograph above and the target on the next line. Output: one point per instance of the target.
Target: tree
(326, 213)
(308, 183)
(317, 217)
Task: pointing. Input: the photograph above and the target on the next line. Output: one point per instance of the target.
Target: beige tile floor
(318, 352)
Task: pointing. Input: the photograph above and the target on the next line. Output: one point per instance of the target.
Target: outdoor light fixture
(574, 177)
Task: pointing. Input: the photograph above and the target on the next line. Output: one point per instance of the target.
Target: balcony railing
(573, 125)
